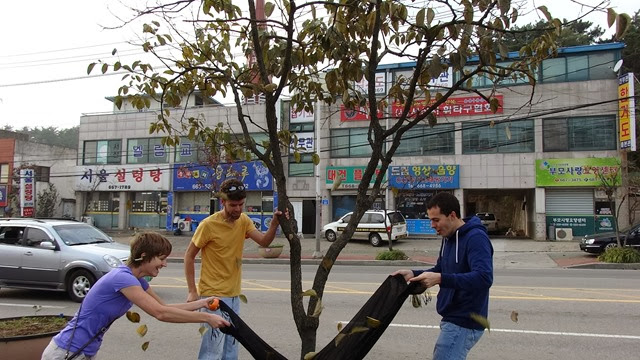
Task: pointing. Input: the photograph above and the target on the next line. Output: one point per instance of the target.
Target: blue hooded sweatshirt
(466, 266)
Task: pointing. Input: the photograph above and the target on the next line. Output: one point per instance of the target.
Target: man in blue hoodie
(464, 272)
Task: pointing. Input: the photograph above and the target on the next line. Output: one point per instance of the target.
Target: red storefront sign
(359, 114)
(458, 106)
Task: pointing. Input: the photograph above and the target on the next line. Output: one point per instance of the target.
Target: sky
(47, 45)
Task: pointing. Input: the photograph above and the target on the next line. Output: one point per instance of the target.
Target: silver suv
(59, 255)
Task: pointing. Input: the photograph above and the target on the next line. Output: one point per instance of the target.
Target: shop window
(486, 80)
(102, 152)
(425, 140)
(104, 201)
(303, 168)
(482, 138)
(593, 66)
(350, 143)
(4, 173)
(579, 133)
(147, 151)
(149, 201)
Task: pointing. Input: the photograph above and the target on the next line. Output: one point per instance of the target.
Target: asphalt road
(563, 314)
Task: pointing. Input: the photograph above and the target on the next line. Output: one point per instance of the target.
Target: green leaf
(243, 298)
(514, 15)
(310, 292)
(105, 67)
(142, 330)
(504, 6)
(117, 66)
(358, 329)
(145, 346)
(339, 326)
(133, 316)
(297, 157)
(202, 330)
(268, 8)
(507, 130)
(373, 323)
(481, 320)
(339, 339)
(315, 158)
(420, 17)
(318, 309)
(494, 104)
(623, 22)
(430, 15)
(114, 51)
(309, 355)
(545, 11)
(90, 68)
(611, 16)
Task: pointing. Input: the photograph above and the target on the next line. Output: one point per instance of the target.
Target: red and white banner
(458, 106)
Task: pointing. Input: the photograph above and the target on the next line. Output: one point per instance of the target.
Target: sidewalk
(509, 253)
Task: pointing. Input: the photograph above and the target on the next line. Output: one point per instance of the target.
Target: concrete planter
(272, 251)
(27, 347)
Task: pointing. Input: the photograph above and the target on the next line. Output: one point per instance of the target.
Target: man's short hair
(233, 189)
(447, 203)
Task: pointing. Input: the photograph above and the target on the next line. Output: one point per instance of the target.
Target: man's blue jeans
(215, 344)
(455, 341)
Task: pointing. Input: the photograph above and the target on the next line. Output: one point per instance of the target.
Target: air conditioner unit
(184, 225)
(564, 234)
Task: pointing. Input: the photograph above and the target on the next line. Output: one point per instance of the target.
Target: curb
(606, 266)
(285, 261)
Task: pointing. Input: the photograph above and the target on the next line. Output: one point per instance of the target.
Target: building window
(302, 168)
(4, 173)
(579, 133)
(486, 80)
(425, 140)
(102, 152)
(482, 138)
(594, 66)
(42, 173)
(147, 151)
(350, 143)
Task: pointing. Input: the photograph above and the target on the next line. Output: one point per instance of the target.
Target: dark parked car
(598, 243)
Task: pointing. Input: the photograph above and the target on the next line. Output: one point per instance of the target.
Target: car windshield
(484, 216)
(81, 234)
(396, 218)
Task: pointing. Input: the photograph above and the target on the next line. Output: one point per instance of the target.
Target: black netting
(355, 340)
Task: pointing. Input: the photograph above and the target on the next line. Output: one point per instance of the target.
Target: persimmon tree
(314, 52)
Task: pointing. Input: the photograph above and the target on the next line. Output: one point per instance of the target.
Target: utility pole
(317, 254)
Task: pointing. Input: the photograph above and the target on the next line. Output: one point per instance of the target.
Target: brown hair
(151, 244)
(238, 193)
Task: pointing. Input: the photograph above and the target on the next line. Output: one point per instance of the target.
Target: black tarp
(381, 308)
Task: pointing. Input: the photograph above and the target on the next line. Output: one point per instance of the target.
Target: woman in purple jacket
(114, 294)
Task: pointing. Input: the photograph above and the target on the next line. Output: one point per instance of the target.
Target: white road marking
(32, 305)
(528, 332)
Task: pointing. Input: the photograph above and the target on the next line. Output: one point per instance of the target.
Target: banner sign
(458, 106)
(626, 112)
(359, 114)
(27, 192)
(380, 84)
(575, 172)
(3, 196)
(420, 227)
(424, 177)
(305, 142)
(122, 178)
(192, 177)
(351, 176)
(442, 83)
(300, 117)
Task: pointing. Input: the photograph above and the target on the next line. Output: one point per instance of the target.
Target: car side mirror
(47, 245)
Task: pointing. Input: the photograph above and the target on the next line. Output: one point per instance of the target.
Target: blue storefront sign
(424, 177)
(420, 227)
(192, 177)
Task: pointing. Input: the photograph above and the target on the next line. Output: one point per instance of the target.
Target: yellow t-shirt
(221, 244)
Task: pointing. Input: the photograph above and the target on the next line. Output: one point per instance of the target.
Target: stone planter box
(26, 347)
(273, 251)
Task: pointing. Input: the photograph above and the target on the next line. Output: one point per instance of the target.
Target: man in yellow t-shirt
(221, 237)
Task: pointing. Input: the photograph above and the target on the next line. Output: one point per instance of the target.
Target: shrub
(620, 255)
(392, 255)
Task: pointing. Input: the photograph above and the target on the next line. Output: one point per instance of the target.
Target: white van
(371, 227)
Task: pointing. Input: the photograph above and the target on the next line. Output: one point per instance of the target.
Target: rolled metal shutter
(569, 202)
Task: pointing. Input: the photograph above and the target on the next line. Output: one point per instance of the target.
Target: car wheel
(330, 235)
(610, 245)
(375, 239)
(79, 284)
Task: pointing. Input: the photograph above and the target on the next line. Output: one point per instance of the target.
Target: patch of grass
(30, 325)
(618, 255)
(392, 255)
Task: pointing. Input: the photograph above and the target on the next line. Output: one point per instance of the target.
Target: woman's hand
(217, 321)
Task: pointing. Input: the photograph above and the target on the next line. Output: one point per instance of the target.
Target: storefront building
(493, 161)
